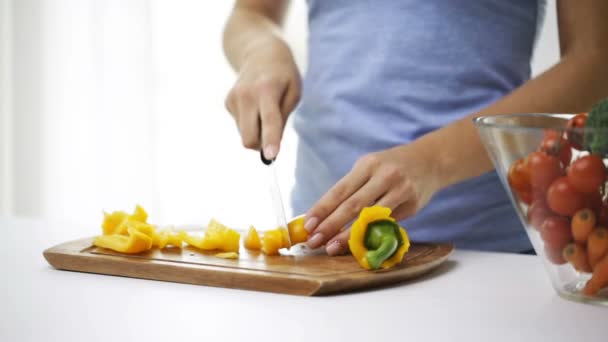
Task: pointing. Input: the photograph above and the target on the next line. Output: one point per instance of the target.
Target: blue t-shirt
(383, 73)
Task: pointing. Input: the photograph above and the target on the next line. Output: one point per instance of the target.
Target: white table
(476, 297)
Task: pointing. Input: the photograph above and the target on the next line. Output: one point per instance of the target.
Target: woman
(387, 102)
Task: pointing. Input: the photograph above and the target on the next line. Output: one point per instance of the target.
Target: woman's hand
(402, 178)
(266, 91)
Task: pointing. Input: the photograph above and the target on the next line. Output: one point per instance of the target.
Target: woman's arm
(268, 84)
(404, 178)
(573, 85)
(251, 26)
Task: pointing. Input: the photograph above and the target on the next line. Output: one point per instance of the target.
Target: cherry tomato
(538, 212)
(556, 232)
(524, 196)
(544, 169)
(555, 145)
(554, 255)
(519, 176)
(602, 218)
(587, 173)
(594, 202)
(576, 138)
(563, 198)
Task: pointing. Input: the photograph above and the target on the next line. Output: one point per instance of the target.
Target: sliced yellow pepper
(165, 238)
(227, 255)
(139, 214)
(272, 241)
(252, 240)
(359, 236)
(297, 233)
(112, 221)
(217, 237)
(118, 222)
(135, 242)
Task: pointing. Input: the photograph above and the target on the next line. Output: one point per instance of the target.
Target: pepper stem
(382, 242)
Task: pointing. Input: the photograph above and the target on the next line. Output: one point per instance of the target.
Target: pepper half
(376, 240)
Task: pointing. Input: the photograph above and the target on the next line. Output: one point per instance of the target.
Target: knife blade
(275, 196)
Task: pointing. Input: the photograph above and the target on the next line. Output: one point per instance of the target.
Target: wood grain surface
(298, 275)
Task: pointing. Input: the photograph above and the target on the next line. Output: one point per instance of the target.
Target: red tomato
(519, 176)
(594, 202)
(538, 212)
(557, 146)
(587, 173)
(576, 138)
(544, 169)
(554, 255)
(602, 218)
(556, 232)
(563, 198)
(524, 196)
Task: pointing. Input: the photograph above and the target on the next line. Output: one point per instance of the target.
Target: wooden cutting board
(298, 275)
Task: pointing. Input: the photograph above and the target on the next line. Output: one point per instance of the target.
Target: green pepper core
(382, 239)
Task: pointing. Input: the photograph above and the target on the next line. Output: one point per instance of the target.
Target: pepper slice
(217, 237)
(135, 242)
(297, 233)
(252, 240)
(376, 240)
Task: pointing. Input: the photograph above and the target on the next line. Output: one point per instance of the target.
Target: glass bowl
(551, 179)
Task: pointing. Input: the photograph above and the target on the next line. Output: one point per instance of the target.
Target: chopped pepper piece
(118, 222)
(252, 239)
(376, 240)
(227, 255)
(272, 241)
(139, 214)
(165, 238)
(217, 237)
(112, 221)
(297, 233)
(135, 242)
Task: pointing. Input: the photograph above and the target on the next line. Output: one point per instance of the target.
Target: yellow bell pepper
(252, 240)
(217, 237)
(297, 233)
(165, 238)
(376, 240)
(272, 241)
(227, 255)
(135, 242)
(139, 214)
(118, 222)
(112, 221)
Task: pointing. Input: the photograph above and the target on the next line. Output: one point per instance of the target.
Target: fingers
(398, 195)
(347, 210)
(290, 98)
(247, 121)
(272, 121)
(338, 245)
(405, 210)
(344, 189)
(256, 109)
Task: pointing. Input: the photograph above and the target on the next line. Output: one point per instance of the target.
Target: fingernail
(310, 223)
(270, 152)
(334, 248)
(315, 241)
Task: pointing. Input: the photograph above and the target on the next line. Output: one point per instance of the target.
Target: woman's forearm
(571, 86)
(252, 25)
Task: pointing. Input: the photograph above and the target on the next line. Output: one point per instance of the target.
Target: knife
(275, 195)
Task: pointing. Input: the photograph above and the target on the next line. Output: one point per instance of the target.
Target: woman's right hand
(267, 89)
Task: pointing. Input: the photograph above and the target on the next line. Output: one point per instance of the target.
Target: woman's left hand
(401, 178)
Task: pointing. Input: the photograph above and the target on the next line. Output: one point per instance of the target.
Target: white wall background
(105, 104)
